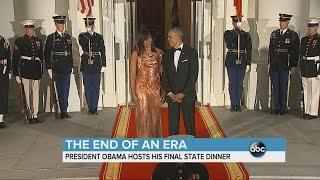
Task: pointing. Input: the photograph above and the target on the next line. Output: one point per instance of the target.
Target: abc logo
(257, 149)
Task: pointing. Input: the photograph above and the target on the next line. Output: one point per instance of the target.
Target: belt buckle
(65, 53)
(90, 61)
(238, 62)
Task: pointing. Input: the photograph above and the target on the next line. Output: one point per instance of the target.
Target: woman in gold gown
(145, 73)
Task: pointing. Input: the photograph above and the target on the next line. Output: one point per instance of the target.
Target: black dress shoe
(36, 120)
(233, 108)
(303, 116)
(2, 125)
(276, 112)
(65, 116)
(94, 111)
(283, 111)
(32, 121)
(309, 117)
(238, 108)
(89, 111)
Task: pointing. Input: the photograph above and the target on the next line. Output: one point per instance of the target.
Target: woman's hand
(163, 96)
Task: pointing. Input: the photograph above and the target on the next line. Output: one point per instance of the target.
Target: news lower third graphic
(173, 149)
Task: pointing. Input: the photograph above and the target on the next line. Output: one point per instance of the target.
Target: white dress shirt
(60, 33)
(177, 56)
(283, 31)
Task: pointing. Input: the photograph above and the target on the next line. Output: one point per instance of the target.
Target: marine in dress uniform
(5, 70)
(283, 55)
(310, 71)
(28, 67)
(93, 62)
(59, 62)
(238, 60)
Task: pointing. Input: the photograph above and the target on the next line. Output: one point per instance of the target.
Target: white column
(250, 81)
(119, 45)
(109, 97)
(251, 89)
(217, 88)
(75, 91)
(207, 80)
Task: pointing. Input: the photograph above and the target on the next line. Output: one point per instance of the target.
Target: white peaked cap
(28, 22)
(313, 21)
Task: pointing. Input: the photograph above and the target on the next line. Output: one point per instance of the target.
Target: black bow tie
(178, 49)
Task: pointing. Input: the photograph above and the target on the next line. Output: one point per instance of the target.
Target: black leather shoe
(65, 116)
(68, 116)
(238, 108)
(31, 121)
(2, 125)
(309, 117)
(95, 111)
(36, 120)
(276, 112)
(233, 108)
(89, 111)
(302, 116)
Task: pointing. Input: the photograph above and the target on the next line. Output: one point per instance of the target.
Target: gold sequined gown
(148, 90)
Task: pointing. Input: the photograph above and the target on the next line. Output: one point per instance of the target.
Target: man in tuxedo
(180, 73)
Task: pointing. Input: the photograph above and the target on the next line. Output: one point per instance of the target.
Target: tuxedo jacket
(184, 78)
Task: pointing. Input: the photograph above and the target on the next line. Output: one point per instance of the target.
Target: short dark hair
(177, 30)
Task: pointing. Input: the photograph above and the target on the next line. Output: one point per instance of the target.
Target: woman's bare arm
(133, 72)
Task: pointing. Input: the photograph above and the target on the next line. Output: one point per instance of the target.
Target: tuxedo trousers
(187, 106)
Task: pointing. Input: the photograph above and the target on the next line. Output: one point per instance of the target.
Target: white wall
(314, 9)
(298, 8)
(41, 10)
(6, 16)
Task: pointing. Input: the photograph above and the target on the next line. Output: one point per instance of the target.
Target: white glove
(239, 25)
(248, 68)
(71, 70)
(18, 79)
(50, 73)
(103, 69)
(10, 76)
